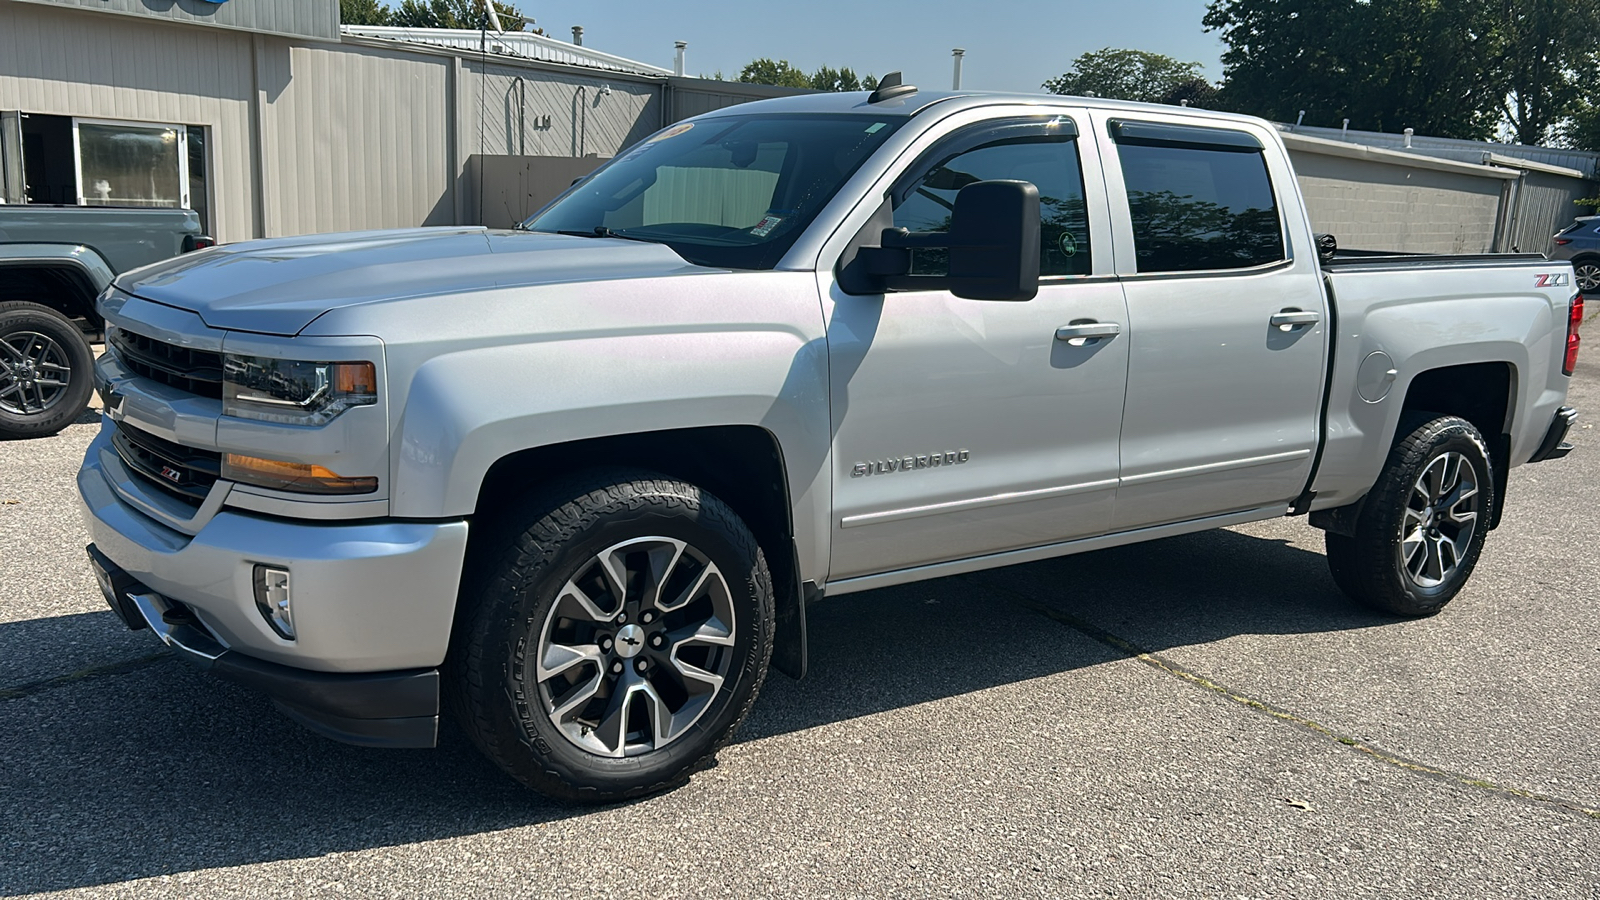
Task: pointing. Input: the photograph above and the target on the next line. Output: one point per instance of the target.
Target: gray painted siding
(1377, 206)
(316, 19)
(691, 97)
(355, 139)
(1544, 206)
(583, 120)
(62, 62)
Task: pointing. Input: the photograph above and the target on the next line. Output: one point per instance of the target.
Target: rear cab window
(1199, 199)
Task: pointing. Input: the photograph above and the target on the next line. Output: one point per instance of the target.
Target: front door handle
(1292, 318)
(1088, 331)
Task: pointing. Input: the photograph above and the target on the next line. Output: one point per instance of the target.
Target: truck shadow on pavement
(163, 770)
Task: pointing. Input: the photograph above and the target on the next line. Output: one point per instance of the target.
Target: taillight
(193, 242)
(1562, 242)
(1574, 318)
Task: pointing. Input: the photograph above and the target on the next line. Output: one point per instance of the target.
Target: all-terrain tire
(522, 596)
(38, 398)
(1386, 564)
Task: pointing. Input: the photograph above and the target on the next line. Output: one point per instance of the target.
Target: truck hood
(280, 286)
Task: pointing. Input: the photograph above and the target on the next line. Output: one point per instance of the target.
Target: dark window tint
(1050, 163)
(1196, 208)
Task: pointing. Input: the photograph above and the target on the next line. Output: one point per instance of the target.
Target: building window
(96, 162)
(125, 164)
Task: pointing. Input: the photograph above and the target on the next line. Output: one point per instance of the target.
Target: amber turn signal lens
(358, 378)
(305, 478)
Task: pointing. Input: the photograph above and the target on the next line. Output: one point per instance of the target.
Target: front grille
(183, 472)
(196, 371)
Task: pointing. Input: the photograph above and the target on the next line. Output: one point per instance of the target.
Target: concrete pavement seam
(1167, 666)
(116, 668)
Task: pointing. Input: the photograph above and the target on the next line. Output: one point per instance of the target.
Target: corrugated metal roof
(1584, 161)
(524, 44)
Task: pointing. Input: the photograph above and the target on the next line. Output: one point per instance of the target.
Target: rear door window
(1199, 199)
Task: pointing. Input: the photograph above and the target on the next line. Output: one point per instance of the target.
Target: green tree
(1550, 63)
(1432, 65)
(1196, 92)
(780, 73)
(826, 78)
(364, 12)
(457, 14)
(1124, 75)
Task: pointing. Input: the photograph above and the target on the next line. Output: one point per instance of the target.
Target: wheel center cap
(630, 640)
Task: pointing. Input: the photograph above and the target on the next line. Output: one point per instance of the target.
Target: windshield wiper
(602, 231)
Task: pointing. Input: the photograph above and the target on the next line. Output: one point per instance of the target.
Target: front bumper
(378, 709)
(369, 595)
(1554, 445)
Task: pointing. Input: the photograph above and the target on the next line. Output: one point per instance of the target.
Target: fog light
(272, 598)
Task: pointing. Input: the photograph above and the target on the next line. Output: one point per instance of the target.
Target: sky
(1012, 45)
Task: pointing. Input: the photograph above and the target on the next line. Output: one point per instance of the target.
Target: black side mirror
(993, 246)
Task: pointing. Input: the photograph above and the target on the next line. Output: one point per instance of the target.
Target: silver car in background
(1580, 242)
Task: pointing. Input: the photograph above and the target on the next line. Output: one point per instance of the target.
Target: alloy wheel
(34, 372)
(1441, 517)
(1588, 276)
(635, 647)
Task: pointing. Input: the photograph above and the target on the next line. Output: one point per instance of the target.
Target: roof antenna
(890, 87)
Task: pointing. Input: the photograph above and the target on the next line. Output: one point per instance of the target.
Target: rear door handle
(1290, 318)
(1079, 334)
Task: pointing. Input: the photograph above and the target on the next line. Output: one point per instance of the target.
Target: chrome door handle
(1079, 334)
(1289, 319)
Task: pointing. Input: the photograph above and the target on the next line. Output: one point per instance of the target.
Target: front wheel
(1422, 527)
(45, 370)
(619, 640)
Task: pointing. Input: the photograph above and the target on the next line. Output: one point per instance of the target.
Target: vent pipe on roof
(1344, 130)
(955, 80)
(577, 35)
(1408, 132)
(677, 64)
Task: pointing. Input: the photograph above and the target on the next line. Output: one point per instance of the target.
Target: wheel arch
(1482, 393)
(64, 278)
(742, 465)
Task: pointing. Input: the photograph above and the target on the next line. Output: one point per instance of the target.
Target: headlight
(292, 392)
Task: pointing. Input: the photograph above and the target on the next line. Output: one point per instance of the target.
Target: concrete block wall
(1371, 205)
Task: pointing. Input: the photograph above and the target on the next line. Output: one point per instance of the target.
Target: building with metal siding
(310, 19)
(286, 129)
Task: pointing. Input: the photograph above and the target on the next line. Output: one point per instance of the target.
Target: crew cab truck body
(577, 481)
(54, 262)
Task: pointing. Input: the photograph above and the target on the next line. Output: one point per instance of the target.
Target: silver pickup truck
(577, 481)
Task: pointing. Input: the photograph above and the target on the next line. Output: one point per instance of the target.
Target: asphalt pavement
(1204, 716)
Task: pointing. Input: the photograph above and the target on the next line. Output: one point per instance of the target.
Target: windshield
(729, 192)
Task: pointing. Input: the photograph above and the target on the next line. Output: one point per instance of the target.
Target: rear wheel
(619, 640)
(1587, 273)
(1422, 527)
(46, 372)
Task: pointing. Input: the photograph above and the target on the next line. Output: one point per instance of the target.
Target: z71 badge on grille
(906, 463)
